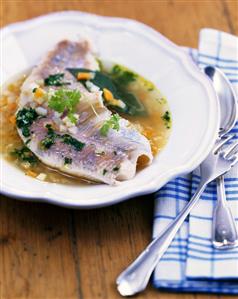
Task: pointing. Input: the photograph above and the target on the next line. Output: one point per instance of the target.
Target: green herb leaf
(25, 155)
(78, 145)
(55, 80)
(47, 142)
(72, 118)
(100, 79)
(167, 119)
(24, 119)
(122, 76)
(64, 99)
(50, 138)
(117, 84)
(116, 168)
(67, 161)
(133, 105)
(112, 123)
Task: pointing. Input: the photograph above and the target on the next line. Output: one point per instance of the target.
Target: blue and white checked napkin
(191, 264)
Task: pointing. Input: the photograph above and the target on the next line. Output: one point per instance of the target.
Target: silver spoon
(224, 231)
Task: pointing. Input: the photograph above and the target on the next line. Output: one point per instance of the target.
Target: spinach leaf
(133, 105)
(122, 76)
(116, 84)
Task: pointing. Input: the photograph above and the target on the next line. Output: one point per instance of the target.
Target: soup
(152, 119)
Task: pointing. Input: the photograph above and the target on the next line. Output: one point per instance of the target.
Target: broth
(155, 126)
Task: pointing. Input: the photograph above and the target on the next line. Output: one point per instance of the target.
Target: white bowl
(192, 100)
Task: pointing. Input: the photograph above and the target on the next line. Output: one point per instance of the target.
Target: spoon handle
(224, 231)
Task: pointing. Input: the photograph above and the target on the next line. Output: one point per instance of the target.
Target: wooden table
(47, 252)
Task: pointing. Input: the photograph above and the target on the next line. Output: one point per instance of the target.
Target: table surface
(47, 252)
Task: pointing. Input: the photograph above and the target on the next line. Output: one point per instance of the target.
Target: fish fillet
(106, 159)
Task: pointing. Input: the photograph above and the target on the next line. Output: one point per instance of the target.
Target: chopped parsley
(77, 145)
(67, 161)
(112, 123)
(55, 80)
(167, 119)
(64, 99)
(104, 171)
(24, 119)
(34, 89)
(50, 138)
(116, 168)
(25, 155)
(122, 76)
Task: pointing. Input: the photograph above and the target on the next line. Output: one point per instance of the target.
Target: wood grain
(48, 252)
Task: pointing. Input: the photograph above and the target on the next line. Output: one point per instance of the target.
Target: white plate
(193, 103)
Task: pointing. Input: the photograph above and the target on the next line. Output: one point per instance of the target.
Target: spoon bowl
(227, 99)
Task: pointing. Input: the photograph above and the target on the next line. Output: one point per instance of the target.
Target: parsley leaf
(67, 161)
(64, 99)
(72, 118)
(116, 168)
(50, 138)
(55, 80)
(24, 119)
(25, 155)
(112, 123)
(77, 145)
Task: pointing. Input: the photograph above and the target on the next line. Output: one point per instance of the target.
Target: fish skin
(107, 159)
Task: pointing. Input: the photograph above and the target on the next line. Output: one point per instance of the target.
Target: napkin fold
(191, 264)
